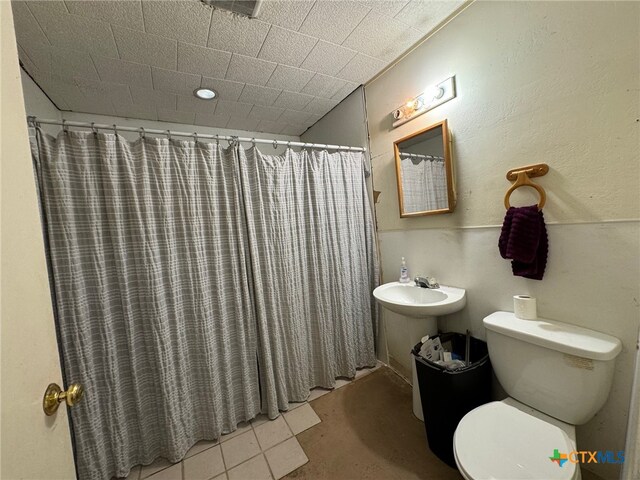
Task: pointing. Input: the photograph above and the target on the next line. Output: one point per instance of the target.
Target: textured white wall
(553, 82)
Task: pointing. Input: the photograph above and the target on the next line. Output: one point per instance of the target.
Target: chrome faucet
(426, 282)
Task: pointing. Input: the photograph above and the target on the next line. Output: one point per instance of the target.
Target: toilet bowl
(508, 440)
(557, 376)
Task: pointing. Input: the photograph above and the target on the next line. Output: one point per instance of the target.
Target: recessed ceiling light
(205, 93)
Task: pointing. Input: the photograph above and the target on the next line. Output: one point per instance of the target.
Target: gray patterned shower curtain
(188, 278)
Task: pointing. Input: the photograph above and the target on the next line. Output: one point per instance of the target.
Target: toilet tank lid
(554, 335)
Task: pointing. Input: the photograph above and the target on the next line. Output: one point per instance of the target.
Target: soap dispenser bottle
(404, 273)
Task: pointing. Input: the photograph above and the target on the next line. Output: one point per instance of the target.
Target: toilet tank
(559, 369)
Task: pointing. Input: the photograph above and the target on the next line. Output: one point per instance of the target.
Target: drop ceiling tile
(96, 89)
(72, 31)
(184, 21)
(266, 113)
(39, 55)
(286, 14)
(227, 90)
(249, 124)
(361, 69)
(142, 47)
(25, 61)
(295, 130)
(60, 90)
(295, 117)
(323, 86)
(175, 82)
(286, 46)
(382, 37)
(289, 78)
(292, 100)
(233, 109)
(125, 13)
(328, 58)
(345, 91)
(387, 8)
(66, 63)
(101, 106)
(120, 71)
(195, 105)
(425, 15)
(249, 70)
(173, 116)
(28, 32)
(259, 95)
(202, 60)
(313, 118)
(136, 111)
(234, 33)
(268, 126)
(149, 97)
(218, 121)
(333, 21)
(320, 106)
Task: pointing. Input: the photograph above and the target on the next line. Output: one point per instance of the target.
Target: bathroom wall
(553, 82)
(38, 104)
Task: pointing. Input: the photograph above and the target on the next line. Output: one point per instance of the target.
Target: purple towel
(524, 240)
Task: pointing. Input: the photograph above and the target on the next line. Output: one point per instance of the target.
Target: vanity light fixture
(205, 93)
(433, 96)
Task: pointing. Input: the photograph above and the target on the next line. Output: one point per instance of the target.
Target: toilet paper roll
(524, 307)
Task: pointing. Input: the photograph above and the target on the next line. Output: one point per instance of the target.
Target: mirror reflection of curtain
(424, 184)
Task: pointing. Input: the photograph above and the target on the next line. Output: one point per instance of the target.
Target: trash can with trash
(454, 375)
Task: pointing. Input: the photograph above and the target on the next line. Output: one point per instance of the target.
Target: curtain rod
(35, 121)
(420, 155)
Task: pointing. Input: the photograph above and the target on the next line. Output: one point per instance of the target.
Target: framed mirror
(424, 171)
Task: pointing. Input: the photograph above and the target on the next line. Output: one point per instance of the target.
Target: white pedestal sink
(424, 306)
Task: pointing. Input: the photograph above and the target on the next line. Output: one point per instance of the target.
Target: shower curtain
(424, 184)
(178, 277)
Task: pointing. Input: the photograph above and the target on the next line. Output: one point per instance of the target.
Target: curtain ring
(142, 132)
(65, 128)
(93, 128)
(288, 145)
(115, 129)
(195, 137)
(217, 140)
(169, 134)
(275, 144)
(253, 142)
(231, 141)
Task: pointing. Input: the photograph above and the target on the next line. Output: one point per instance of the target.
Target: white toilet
(557, 376)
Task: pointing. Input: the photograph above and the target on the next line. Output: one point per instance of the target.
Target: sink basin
(412, 301)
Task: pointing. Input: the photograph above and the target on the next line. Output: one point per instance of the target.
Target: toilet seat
(505, 441)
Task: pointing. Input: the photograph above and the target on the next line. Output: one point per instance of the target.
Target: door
(32, 445)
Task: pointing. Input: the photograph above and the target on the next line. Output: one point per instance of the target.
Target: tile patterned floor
(262, 449)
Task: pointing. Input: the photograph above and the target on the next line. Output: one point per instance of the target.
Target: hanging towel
(524, 240)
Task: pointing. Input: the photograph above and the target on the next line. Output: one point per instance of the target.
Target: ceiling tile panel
(259, 95)
(270, 127)
(226, 89)
(142, 47)
(425, 15)
(266, 113)
(184, 21)
(295, 117)
(249, 70)
(293, 130)
(380, 37)
(136, 111)
(286, 46)
(243, 123)
(202, 60)
(60, 90)
(120, 71)
(39, 55)
(292, 100)
(320, 106)
(72, 31)
(361, 68)
(175, 82)
(156, 98)
(69, 63)
(323, 86)
(237, 34)
(289, 78)
(333, 21)
(344, 91)
(172, 116)
(28, 32)
(328, 58)
(386, 8)
(195, 105)
(286, 14)
(124, 13)
(101, 106)
(215, 120)
(113, 91)
(233, 109)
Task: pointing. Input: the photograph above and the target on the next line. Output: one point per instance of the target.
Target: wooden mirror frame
(451, 194)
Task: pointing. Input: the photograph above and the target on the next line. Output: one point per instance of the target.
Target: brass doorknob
(54, 396)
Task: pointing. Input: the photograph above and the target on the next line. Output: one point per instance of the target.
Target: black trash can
(448, 395)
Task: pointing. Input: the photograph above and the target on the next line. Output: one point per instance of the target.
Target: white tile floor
(260, 449)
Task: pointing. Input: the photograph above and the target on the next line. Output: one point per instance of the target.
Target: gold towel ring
(523, 180)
